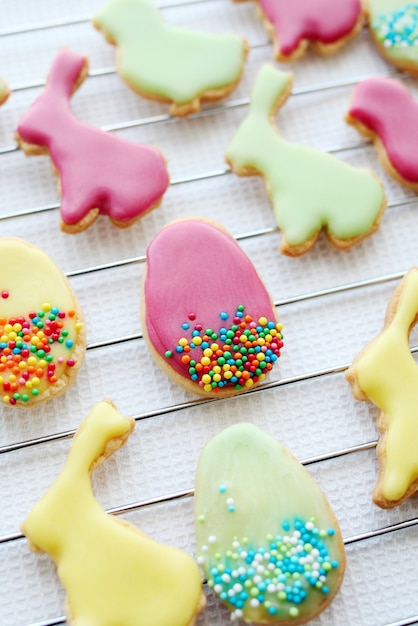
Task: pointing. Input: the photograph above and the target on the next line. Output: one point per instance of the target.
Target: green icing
(253, 499)
(309, 189)
(394, 24)
(169, 61)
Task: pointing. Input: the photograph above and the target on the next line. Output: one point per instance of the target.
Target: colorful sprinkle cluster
(27, 363)
(398, 28)
(276, 578)
(239, 355)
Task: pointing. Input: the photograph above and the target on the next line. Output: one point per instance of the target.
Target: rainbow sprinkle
(398, 28)
(27, 363)
(277, 577)
(238, 356)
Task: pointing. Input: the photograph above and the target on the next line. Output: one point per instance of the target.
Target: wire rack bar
(83, 19)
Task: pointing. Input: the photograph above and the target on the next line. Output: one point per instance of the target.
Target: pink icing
(194, 267)
(387, 108)
(325, 21)
(98, 170)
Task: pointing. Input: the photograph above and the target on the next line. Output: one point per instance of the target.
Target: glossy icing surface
(97, 170)
(316, 20)
(199, 291)
(387, 109)
(112, 572)
(387, 374)
(309, 189)
(394, 24)
(40, 328)
(175, 63)
(267, 539)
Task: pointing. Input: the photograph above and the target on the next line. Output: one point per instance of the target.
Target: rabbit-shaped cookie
(99, 172)
(310, 190)
(113, 573)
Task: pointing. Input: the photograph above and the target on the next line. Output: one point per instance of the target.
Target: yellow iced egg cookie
(42, 335)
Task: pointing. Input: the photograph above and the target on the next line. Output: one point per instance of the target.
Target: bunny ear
(67, 72)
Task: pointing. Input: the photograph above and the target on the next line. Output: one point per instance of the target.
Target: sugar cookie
(42, 335)
(168, 63)
(206, 316)
(99, 172)
(295, 24)
(394, 28)
(310, 190)
(113, 573)
(267, 539)
(386, 374)
(384, 110)
(4, 91)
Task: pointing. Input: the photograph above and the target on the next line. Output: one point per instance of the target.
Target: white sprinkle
(280, 586)
(236, 544)
(244, 554)
(260, 569)
(237, 587)
(271, 566)
(212, 539)
(238, 613)
(257, 579)
(200, 560)
(315, 553)
(231, 593)
(217, 588)
(258, 557)
(271, 588)
(204, 548)
(315, 566)
(323, 579)
(254, 603)
(309, 526)
(266, 556)
(226, 578)
(230, 501)
(241, 570)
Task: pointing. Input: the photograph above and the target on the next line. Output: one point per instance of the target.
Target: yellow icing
(388, 376)
(32, 281)
(113, 573)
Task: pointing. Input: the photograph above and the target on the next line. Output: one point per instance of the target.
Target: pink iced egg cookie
(99, 172)
(384, 110)
(208, 320)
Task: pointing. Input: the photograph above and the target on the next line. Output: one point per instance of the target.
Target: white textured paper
(310, 416)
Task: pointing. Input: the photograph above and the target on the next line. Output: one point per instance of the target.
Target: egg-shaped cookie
(207, 317)
(267, 539)
(42, 336)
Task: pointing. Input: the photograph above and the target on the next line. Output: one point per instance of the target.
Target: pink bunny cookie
(99, 173)
(384, 110)
(325, 24)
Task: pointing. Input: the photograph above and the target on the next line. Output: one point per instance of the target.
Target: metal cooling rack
(17, 219)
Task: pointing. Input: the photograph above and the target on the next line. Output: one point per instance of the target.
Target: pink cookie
(99, 172)
(384, 110)
(206, 316)
(326, 24)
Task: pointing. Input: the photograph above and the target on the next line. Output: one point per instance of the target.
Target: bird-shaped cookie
(113, 573)
(169, 63)
(296, 24)
(384, 110)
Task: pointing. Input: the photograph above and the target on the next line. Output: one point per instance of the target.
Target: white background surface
(311, 416)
